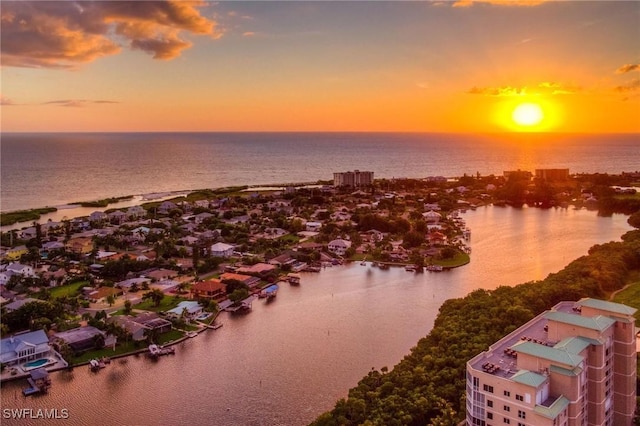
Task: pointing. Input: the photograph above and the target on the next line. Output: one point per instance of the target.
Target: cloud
(497, 91)
(6, 101)
(628, 68)
(248, 34)
(631, 86)
(66, 34)
(468, 3)
(77, 103)
(559, 88)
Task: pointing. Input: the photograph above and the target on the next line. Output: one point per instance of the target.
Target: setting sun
(527, 114)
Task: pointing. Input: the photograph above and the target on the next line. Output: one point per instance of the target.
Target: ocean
(53, 169)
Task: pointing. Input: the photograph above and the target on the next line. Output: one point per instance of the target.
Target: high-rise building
(354, 179)
(574, 365)
(552, 174)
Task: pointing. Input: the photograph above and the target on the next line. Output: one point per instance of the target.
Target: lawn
(630, 296)
(107, 351)
(170, 336)
(166, 304)
(459, 260)
(68, 289)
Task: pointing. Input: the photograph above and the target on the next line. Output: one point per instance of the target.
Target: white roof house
(432, 216)
(221, 250)
(339, 246)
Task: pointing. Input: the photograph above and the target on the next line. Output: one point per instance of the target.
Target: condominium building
(552, 174)
(355, 178)
(574, 365)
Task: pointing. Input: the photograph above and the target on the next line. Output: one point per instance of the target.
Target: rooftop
(612, 307)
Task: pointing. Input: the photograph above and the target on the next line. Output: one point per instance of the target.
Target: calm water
(40, 170)
(288, 361)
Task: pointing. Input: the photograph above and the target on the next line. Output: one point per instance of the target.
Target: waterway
(289, 360)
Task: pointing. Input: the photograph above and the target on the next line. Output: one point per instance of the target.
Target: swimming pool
(37, 363)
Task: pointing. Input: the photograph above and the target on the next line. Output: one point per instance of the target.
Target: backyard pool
(37, 363)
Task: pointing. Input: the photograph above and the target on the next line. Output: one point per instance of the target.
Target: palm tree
(155, 295)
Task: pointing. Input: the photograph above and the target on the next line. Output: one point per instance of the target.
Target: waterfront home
(83, 338)
(221, 250)
(248, 280)
(24, 347)
(16, 253)
(28, 233)
(191, 310)
(257, 269)
(117, 217)
(209, 289)
(135, 212)
(139, 325)
(97, 216)
(339, 246)
(153, 321)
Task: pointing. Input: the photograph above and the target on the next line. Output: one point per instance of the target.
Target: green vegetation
(104, 202)
(630, 296)
(68, 289)
(121, 348)
(24, 215)
(428, 385)
(165, 304)
(170, 336)
(459, 259)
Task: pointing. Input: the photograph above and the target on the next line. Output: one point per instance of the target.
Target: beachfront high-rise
(354, 179)
(573, 365)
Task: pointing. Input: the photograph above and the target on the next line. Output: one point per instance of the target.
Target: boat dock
(39, 382)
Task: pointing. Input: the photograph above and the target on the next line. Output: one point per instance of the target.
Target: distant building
(573, 365)
(514, 175)
(339, 246)
(354, 179)
(552, 174)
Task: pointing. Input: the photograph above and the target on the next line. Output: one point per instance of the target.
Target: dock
(39, 382)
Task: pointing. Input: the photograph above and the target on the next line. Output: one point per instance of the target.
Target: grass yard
(168, 302)
(630, 296)
(68, 289)
(459, 260)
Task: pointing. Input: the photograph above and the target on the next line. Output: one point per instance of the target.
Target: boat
(216, 326)
(410, 268)
(294, 279)
(312, 268)
(96, 364)
(384, 266)
(270, 292)
(191, 334)
(434, 268)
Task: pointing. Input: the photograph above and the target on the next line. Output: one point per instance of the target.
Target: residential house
(24, 347)
(190, 308)
(201, 217)
(127, 284)
(15, 253)
(98, 216)
(161, 274)
(248, 280)
(221, 250)
(82, 338)
(257, 269)
(135, 212)
(339, 246)
(432, 216)
(166, 206)
(28, 233)
(20, 269)
(81, 245)
(117, 217)
(17, 304)
(313, 226)
(209, 289)
(102, 293)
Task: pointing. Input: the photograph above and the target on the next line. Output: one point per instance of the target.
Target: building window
(490, 416)
(507, 421)
(522, 414)
(487, 388)
(507, 393)
(519, 397)
(507, 408)
(489, 403)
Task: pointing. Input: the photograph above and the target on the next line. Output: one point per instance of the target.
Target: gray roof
(554, 355)
(575, 345)
(598, 323)
(32, 338)
(78, 334)
(603, 305)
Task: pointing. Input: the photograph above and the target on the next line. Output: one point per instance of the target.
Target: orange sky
(325, 66)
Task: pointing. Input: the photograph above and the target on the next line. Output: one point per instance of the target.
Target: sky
(431, 66)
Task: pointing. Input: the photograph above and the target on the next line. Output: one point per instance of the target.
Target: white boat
(294, 279)
(191, 334)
